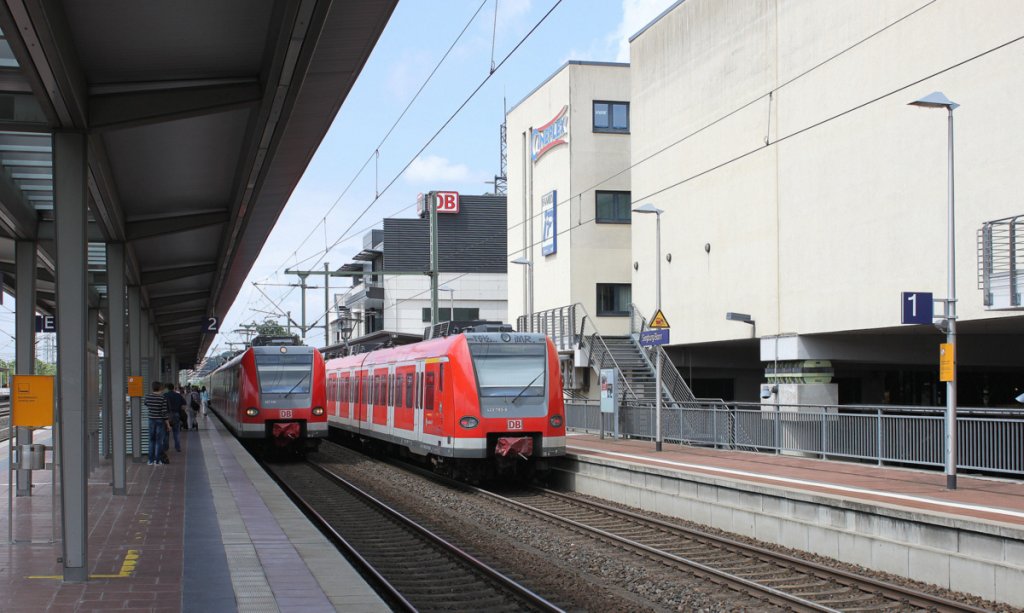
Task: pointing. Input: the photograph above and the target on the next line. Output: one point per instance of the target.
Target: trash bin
(31, 457)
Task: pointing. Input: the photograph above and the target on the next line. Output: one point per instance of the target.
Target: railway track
(416, 569)
(777, 578)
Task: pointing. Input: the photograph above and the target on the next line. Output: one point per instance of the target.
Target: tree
(45, 368)
(269, 327)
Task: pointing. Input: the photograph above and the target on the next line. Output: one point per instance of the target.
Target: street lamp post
(650, 208)
(939, 100)
(522, 261)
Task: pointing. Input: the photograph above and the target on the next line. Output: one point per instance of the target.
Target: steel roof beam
(169, 225)
(178, 272)
(183, 316)
(170, 299)
(17, 216)
(175, 310)
(193, 325)
(129, 109)
(45, 231)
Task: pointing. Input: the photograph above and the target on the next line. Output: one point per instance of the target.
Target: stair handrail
(671, 380)
(603, 346)
(558, 324)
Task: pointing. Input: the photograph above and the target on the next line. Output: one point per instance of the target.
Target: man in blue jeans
(156, 404)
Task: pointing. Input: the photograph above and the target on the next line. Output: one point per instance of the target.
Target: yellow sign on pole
(658, 322)
(947, 362)
(32, 401)
(135, 387)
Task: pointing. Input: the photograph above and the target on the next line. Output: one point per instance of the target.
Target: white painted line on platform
(831, 486)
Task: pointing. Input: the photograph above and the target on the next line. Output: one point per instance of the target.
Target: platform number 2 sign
(212, 324)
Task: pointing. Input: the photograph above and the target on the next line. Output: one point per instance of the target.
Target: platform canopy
(201, 117)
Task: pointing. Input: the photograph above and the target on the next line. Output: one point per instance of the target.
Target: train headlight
(555, 421)
(318, 411)
(469, 422)
(252, 411)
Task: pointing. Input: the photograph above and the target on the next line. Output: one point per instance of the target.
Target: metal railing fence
(988, 440)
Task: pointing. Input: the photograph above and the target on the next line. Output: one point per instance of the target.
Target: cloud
(635, 15)
(436, 168)
(513, 8)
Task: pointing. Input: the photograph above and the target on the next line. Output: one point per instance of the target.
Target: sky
(380, 152)
(369, 167)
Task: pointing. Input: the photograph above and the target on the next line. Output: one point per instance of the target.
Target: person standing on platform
(204, 399)
(194, 400)
(159, 421)
(175, 402)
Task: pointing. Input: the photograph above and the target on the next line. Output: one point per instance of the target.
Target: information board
(609, 389)
(947, 362)
(32, 401)
(135, 389)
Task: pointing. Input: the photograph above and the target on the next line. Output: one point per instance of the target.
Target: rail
(906, 436)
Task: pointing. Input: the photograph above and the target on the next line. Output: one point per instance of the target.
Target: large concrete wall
(791, 151)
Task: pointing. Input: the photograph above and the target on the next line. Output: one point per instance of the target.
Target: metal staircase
(573, 330)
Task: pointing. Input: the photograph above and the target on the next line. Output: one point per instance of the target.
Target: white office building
(800, 191)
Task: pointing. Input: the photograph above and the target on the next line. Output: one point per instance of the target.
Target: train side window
(419, 390)
(391, 389)
(428, 391)
(408, 391)
(440, 377)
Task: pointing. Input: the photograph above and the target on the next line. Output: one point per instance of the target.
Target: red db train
(476, 405)
(272, 395)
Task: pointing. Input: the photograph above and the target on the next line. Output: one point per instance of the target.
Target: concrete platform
(895, 520)
(209, 532)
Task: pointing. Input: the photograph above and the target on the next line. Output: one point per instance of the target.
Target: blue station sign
(650, 338)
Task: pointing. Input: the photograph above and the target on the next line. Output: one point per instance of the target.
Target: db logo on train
(515, 424)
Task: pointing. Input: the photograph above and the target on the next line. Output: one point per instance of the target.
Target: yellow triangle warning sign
(659, 321)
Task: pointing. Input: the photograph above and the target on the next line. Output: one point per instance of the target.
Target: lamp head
(522, 261)
(1020, 399)
(730, 316)
(935, 100)
(648, 208)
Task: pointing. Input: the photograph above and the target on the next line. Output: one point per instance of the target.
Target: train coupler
(521, 446)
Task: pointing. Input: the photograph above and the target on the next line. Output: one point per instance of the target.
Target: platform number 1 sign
(212, 324)
(918, 308)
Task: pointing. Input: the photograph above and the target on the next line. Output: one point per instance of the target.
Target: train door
(391, 400)
(404, 424)
(418, 402)
(362, 399)
(380, 400)
(433, 423)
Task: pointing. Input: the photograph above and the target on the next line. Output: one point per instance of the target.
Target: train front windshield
(285, 373)
(511, 378)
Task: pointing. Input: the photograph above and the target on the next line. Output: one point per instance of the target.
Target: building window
(613, 299)
(611, 117)
(612, 207)
(461, 314)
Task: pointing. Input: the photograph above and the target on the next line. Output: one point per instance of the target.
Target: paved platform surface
(977, 498)
(209, 532)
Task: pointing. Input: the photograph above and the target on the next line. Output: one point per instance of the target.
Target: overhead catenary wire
(375, 154)
(344, 235)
